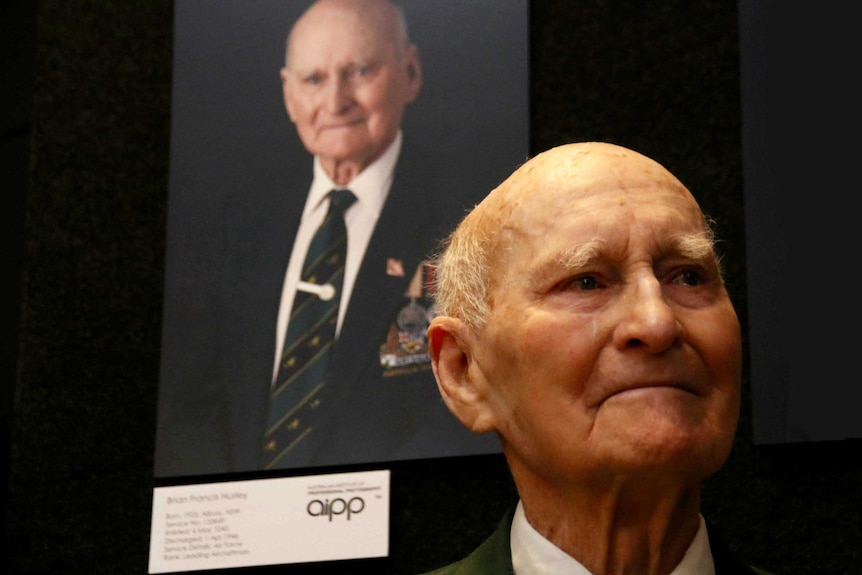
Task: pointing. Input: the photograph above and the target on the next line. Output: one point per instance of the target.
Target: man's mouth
(342, 125)
(647, 389)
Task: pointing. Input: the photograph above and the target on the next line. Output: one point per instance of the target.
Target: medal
(406, 347)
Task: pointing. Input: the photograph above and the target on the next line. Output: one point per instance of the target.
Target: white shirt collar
(370, 186)
(532, 554)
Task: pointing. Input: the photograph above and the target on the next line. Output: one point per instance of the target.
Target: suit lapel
(259, 254)
(397, 247)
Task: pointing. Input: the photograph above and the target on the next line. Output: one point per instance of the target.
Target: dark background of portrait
(82, 367)
(230, 132)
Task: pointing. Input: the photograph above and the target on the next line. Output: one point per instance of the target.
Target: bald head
(550, 186)
(381, 19)
(350, 73)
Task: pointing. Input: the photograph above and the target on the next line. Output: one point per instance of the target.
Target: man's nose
(339, 94)
(647, 320)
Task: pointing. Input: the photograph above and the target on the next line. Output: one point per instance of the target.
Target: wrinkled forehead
(575, 181)
(562, 179)
(365, 26)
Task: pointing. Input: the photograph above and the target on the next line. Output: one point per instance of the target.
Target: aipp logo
(338, 506)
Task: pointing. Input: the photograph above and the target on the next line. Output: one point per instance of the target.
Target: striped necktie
(295, 398)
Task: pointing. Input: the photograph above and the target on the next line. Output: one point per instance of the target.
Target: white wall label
(270, 521)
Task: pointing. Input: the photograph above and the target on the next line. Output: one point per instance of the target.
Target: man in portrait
(315, 350)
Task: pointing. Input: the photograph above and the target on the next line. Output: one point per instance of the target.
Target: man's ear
(459, 379)
(285, 92)
(414, 72)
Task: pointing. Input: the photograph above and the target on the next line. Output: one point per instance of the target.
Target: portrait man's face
(611, 344)
(347, 82)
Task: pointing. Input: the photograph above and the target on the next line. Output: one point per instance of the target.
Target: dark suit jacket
(211, 417)
(494, 556)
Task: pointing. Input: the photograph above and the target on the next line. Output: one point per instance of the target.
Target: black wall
(662, 78)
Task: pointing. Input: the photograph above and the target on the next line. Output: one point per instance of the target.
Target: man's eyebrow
(578, 256)
(571, 258)
(696, 246)
(298, 71)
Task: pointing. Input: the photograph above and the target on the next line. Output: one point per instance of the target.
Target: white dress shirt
(371, 187)
(532, 554)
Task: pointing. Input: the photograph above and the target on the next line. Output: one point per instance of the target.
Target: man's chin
(343, 149)
(674, 449)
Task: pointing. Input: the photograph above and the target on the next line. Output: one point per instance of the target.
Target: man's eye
(581, 283)
(587, 283)
(357, 71)
(689, 278)
(313, 79)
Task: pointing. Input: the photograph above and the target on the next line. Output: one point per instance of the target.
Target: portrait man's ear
(460, 380)
(285, 93)
(414, 73)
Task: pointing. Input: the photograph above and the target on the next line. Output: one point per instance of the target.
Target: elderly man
(322, 316)
(584, 320)
(350, 71)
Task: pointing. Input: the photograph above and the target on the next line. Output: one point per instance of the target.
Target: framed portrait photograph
(415, 112)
